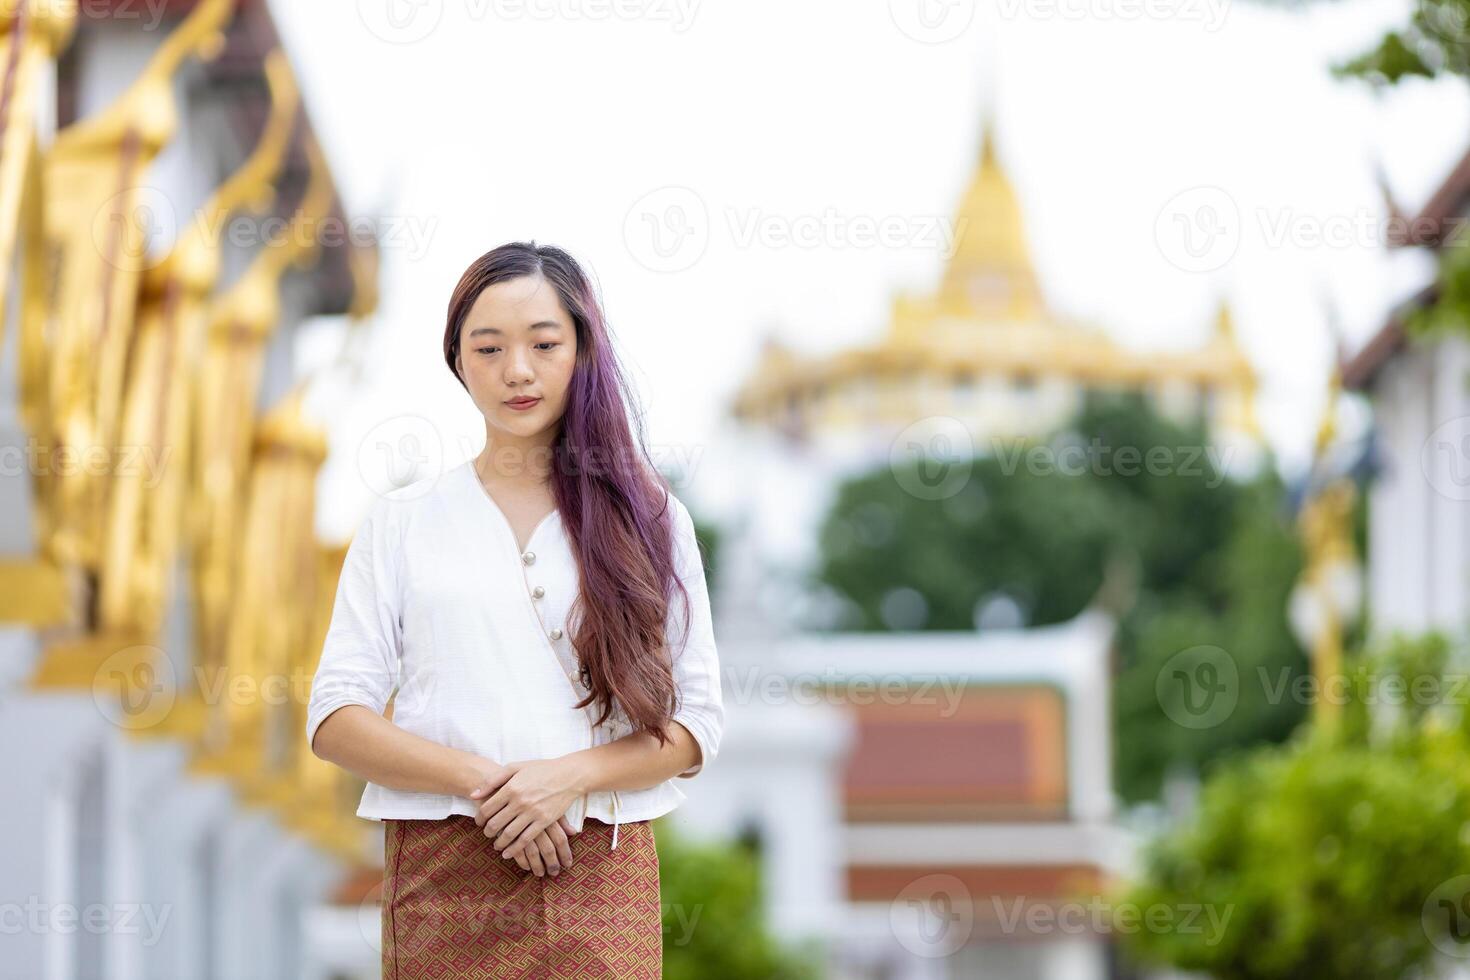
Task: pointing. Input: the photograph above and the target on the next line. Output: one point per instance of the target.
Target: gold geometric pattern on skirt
(454, 909)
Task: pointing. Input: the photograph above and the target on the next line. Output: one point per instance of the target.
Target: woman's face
(518, 342)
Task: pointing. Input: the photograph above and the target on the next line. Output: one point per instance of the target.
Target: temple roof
(989, 275)
(988, 314)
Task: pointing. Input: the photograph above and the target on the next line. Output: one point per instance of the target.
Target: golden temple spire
(1241, 414)
(989, 276)
(1225, 322)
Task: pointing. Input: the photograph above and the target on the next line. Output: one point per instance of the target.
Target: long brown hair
(616, 508)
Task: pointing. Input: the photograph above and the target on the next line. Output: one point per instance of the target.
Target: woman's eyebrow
(538, 325)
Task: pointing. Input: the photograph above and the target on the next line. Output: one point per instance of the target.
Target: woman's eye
(544, 345)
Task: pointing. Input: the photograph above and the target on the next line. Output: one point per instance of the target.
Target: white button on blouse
(433, 602)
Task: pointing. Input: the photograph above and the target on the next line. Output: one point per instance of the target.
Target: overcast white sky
(469, 123)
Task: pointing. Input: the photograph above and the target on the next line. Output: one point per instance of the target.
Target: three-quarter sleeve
(699, 705)
(364, 644)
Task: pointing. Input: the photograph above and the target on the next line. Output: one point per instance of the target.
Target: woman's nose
(518, 366)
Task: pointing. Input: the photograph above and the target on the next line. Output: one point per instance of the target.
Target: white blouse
(436, 600)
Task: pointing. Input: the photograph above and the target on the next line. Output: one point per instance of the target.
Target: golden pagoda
(984, 348)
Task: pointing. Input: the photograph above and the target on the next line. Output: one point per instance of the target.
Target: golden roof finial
(252, 304)
(251, 186)
(1225, 346)
(987, 144)
(195, 258)
(989, 97)
(989, 276)
(1225, 322)
(146, 109)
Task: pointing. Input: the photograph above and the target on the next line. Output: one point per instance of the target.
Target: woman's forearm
(634, 761)
(373, 748)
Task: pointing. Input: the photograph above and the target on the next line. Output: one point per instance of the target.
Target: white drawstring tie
(615, 820)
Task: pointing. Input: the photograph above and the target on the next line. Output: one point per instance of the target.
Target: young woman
(539, 616)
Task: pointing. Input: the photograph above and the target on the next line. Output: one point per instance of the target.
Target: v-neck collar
(469, 468)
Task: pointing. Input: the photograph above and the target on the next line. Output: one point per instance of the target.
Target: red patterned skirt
(454, 908)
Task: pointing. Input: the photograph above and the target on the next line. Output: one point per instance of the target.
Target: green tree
(1237, 603)
(708, 537)
(1214, 561)
(712, 915)
(1338, 854)
(1435, 42)
(1041, 540)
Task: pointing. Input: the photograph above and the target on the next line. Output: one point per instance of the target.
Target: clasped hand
(523, 812)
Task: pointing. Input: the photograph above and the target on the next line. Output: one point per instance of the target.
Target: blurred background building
(1420, 536)
(985, 349)
(164, 203)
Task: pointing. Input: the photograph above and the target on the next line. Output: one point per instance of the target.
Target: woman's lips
(520, 405)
